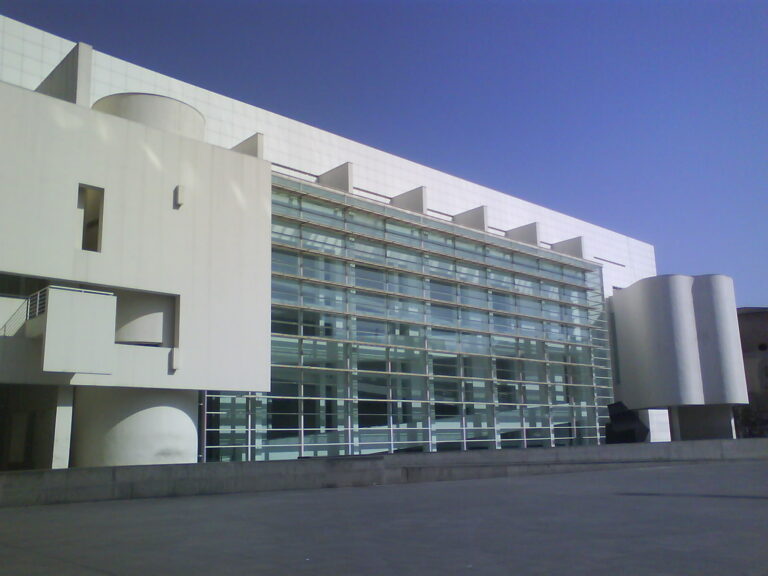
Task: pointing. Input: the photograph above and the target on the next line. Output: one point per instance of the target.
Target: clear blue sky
(646, 117)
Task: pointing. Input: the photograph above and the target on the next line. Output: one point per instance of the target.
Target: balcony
(77, 328)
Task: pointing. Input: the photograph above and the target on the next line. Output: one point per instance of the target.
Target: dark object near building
(752, 421)
(625, 426)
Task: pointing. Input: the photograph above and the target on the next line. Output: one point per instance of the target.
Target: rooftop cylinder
(155, 111)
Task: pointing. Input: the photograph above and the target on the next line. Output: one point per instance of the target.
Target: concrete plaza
(697, 519)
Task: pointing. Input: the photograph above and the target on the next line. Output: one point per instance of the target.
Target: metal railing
(37, 304)
(34, 306)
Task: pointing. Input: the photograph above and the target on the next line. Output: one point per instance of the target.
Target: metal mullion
(300, 399)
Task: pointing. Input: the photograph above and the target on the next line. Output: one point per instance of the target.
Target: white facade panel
(195, 252)
(79, 332)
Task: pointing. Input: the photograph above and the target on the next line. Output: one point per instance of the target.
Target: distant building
(186, 277)
(752, 420)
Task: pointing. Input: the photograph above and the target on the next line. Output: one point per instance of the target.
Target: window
(90, 201)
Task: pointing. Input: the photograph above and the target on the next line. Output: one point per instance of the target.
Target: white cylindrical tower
(161, 112)
(717, 323)
(656, 336)
(133, 426)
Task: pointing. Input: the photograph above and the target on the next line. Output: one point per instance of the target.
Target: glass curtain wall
(393, 331)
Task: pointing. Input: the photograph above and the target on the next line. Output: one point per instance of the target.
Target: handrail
(37, 304)
(16, 321)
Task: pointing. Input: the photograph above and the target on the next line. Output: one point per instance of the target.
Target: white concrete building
(137, 246)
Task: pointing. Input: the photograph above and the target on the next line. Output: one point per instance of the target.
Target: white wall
(213, 252)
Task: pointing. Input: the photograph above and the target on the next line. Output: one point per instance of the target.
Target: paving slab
(702, 519)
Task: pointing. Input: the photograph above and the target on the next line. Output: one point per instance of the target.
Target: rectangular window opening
(91, 201)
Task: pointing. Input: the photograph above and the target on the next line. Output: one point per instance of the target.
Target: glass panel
(526, 263)
(442, 291)
(406, 360)
(508, 393)
(410, 388)
(321, 240)
(444, 340)
(525, 285)
(285, 350)
(475, 343)
(285, 233)
(321, 212)
(285, 262)
(532, 371)
(371, 358)
(507, 369)
(401, 258)
(438, 242)
(502, 302)
(322, 268)
(504, 345)
(285, 320)
(325, 384)
(469, 273)
(443, 315)
(364, 223)
(499, 278)
(370, 251)
(285, 291)
(477, 367)
(529, 306)
(445, 364)
(474, 319)
(285, 198)
(323, 296)
(323, 324)
(503, 324)
(555, 352)
(439, 266)
(401, 232)
(406, 284)
(402, 309)
(370, 331)
(323, 354)
(367, 303)
(469, 249)
(370, 278)
(285, 381)
(470, 296)
(407, 334)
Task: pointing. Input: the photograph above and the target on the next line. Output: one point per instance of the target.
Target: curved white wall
(656, 336)
(126, 427)
(144, 318)
(156, 111)
(717, 325)
(678, 342)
